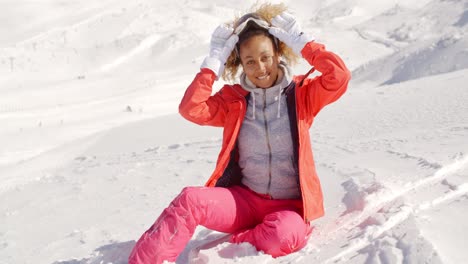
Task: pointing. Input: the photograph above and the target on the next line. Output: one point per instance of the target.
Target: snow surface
(92, 148)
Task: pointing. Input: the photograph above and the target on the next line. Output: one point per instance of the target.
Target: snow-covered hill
(429, 40)
(92, 148)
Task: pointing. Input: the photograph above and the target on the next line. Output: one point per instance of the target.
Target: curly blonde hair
(266, 12)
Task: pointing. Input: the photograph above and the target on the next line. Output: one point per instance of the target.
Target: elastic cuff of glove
(213, 64)
(302, 40)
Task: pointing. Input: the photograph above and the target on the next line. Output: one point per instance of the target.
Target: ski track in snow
(376, 202)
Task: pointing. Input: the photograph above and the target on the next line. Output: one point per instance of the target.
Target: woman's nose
(260, 66)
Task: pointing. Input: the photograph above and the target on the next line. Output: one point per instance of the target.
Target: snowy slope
(427, 42)
(92, 148)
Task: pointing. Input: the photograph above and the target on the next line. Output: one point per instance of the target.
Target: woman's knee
(201, 202)
(188, 196)
(284, 232)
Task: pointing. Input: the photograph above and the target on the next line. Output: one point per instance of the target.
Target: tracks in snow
(397, 200)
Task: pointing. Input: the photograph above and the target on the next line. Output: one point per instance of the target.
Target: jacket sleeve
(198, 106)
(328, 87)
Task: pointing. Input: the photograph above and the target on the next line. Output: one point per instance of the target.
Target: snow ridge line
(460, 191)
(144, 45)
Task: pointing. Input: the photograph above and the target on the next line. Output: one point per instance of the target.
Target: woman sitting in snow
(264, 189)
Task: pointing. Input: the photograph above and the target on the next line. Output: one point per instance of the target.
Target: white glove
(222, 44)
(286, 29)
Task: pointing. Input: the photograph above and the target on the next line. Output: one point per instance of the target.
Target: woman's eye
(250, 63)
(266, 58)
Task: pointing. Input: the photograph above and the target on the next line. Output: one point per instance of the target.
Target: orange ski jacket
(305, 98)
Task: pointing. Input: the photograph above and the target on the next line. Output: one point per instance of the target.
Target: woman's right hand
(222, 43)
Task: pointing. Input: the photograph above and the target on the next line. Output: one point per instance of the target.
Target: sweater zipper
(268, 141)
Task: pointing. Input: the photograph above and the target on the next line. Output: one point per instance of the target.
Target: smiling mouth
(263, 77)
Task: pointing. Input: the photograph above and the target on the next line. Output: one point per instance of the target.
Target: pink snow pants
(274, 226)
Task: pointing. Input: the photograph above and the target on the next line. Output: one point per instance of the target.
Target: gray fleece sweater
(265, 143)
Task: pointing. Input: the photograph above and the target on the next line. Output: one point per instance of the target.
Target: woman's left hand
(287, 29)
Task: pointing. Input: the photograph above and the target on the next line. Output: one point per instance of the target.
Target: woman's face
(260, 61)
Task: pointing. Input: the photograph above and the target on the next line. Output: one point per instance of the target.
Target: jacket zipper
(304, 201)
(268, 141)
